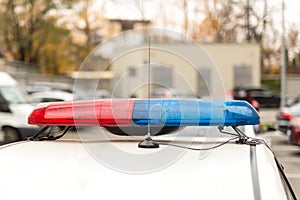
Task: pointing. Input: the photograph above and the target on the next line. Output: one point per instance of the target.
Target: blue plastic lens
(174, 112)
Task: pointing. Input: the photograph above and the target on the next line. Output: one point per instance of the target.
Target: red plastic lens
(84, 113)
(116, 112)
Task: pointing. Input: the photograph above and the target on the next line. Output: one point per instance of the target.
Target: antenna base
(148, 143)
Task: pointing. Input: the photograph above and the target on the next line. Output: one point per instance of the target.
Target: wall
(187, 60)
(292, 85)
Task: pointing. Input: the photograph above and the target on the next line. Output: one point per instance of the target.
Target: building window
(242, 75)
(132, 72)
(162, 76)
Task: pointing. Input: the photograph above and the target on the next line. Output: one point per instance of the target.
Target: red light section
(84, 113)
(285, 115)
(37, 114)
(120, 115)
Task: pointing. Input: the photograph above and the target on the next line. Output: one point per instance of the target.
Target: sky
(129, 9)
(292, 12)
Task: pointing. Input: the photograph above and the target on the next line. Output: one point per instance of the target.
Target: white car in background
(41, 87)
(51, 96)
(14, 109)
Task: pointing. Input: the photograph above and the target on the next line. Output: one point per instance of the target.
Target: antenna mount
(148, 143)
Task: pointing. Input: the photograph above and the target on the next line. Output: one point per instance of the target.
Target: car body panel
(283, 124)
(67, 168)
(15, 107)
(269, 176)
(17, 117)
(295, 131)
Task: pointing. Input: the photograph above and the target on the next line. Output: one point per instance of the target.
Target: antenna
(149, 88)
(148, 142)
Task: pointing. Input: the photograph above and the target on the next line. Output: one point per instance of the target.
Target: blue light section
(194, 112)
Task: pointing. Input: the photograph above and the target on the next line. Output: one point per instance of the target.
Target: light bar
(134, 112)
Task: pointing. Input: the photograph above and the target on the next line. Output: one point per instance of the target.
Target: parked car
(294, 100)
(55, 86)
(295, 131)
(14, 109)
(48, 86)
(209, 158)
(264, 96)
(103, 94)
(51, 96)
(285, 115)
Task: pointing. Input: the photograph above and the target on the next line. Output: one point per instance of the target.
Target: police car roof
(76, 169)
(66, 169)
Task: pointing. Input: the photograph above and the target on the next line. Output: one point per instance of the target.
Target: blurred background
(253, 46)
(45, 40)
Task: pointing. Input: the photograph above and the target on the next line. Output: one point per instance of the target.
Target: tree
(256, 16)
(220, 22)
(234, 21)
(86, 23)
(91, 22)
(292, 45)
(26, 26)
(23, 28)
(59, 53)
(240, 21)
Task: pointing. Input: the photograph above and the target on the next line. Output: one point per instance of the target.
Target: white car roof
(69, 169)
(7, 80)
(64, 96)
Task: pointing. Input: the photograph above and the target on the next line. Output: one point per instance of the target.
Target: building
(211, 69)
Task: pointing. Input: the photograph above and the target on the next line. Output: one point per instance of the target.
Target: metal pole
(283, 60)
(248, 21)
(149, 89)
